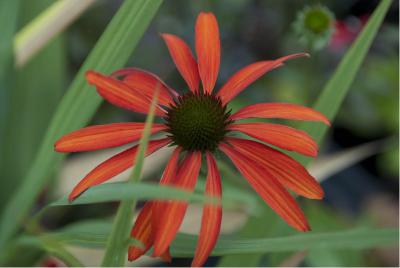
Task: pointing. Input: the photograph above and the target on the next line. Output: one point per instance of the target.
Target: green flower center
(197, 121)
(317, 20)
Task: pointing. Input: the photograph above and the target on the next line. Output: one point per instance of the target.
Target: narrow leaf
(117, 244)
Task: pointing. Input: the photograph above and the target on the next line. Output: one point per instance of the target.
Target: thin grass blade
(117, 245)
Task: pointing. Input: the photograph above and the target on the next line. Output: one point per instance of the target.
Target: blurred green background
(364, 192)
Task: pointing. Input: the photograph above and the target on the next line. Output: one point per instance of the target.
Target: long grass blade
(184, 245)
(8, 21)
(117, 244)
(94, 234)
(78, 105)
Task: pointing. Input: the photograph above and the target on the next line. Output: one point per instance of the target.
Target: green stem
(117, 244)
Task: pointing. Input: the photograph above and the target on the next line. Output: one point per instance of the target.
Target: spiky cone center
(197, 121)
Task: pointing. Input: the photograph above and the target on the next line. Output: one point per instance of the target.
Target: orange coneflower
(198, 123)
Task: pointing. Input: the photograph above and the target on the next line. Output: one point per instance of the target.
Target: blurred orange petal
(280, 110)
(281, 136)
(145, 83)
(244, 77)
(103, 136)
(285, 169)
(120, 94)
(208, 49)
(268, 188)
(173, 213)
(212, 215)
(184, 60)
(113, 166)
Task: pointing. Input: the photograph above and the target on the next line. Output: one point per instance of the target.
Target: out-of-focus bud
(314, 26)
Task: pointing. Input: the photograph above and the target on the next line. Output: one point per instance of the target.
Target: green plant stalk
(328, 103)
(78, 106)
(117, 245)
(8, 21)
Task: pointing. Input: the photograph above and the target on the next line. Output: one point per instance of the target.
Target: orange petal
(285, 169)
(280, 110)
(281, 136)
(212, 215)
(244, 77)
(270, 190)
(174, 211)
(113, 166)
(103, 136)
(120, 94)
(141, 231)
(168, 175)
(183, 59)
(208, 49)
(145, 83)
(166, 256)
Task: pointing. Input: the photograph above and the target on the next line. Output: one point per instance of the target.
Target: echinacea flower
(198, 124)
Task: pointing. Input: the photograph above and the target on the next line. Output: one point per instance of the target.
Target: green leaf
(8, 21)
(52, 247)
(94, 233)
(78, 105)
(117, 244)
(184, 245)
(123, 191)
(36, 84)
(329, 102)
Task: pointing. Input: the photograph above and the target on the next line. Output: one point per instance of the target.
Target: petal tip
(71, 197)
(134, 254)
(91, 76)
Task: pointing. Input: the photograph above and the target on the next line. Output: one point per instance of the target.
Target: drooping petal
(183, 59)
(281, 136)
(174, 211)
(145, 83)
(244, 77)
(280, 110)
(120, 94)
(208, 49)
(212, 215)
(103, 136)
(285, 169)
(270, 190)
(142, 232)
(113, 166)
(168, 176)
(151, 222)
